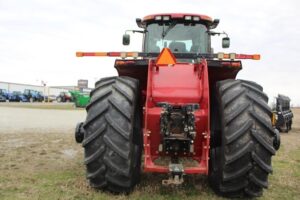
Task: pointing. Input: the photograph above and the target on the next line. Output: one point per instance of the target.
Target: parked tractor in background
(282, 117)
(33, 95)
(178, 100)
(64, 97)
(17, 96)
(80, 99)
(4, 95)
(40, 96)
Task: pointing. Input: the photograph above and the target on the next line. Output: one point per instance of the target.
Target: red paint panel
(178, 85)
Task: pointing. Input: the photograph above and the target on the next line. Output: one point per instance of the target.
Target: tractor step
(176, 175)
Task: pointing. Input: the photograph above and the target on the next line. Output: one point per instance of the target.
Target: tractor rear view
(178, 100)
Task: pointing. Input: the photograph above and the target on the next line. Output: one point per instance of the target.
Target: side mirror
(126, 39)
(225, 42)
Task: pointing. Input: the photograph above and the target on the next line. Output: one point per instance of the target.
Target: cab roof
(208, 21)
(178, 16)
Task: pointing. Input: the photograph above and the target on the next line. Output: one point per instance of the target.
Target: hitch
(176, 175)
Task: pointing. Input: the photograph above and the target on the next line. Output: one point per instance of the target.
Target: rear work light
(220, 55)
(158, 18)
(166, 18)
(188, 17)
(196, 18)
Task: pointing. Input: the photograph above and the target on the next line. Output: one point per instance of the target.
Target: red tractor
(177, 101)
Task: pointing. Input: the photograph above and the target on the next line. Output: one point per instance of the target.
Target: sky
(39, 38)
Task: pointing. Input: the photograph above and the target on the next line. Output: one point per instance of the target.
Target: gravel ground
(25, 120)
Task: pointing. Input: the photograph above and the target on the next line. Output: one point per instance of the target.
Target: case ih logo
(83, 83)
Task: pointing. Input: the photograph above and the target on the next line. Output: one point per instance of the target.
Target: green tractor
(80, 99)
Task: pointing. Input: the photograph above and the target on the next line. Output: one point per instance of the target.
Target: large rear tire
(112, 135)
(240, 165)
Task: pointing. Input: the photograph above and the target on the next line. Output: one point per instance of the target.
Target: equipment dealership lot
(39, 159)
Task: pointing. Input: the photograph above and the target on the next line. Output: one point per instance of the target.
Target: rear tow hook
(176, 175)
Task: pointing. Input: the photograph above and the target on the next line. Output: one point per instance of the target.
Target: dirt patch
(35, 152)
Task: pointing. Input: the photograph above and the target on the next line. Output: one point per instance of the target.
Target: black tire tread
(258, 181)
(115, 148)
(109, 163)
(110, 150)
(242, 171)
(116, 127)
(256, 90)
(239, 132)
(90, 138)
(228, 84)
(262, 104)
(251, 193)
(269, 147)
(94, 101)
(124, 112)
(101, 85)
(238, 154)
(236, 113)
(267, 168)
(252, 83)
(94, 156)
(228, 99)
(96, 173)
(234, 187)
(118, 89)
(95, 116)
(247, 140)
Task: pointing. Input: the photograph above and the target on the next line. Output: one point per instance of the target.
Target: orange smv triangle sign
(166, 58)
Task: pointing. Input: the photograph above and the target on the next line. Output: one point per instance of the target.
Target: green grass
(28, 173)
(285, 181)
(70, 184)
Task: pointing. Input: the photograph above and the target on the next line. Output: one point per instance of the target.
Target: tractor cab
(181, 33)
